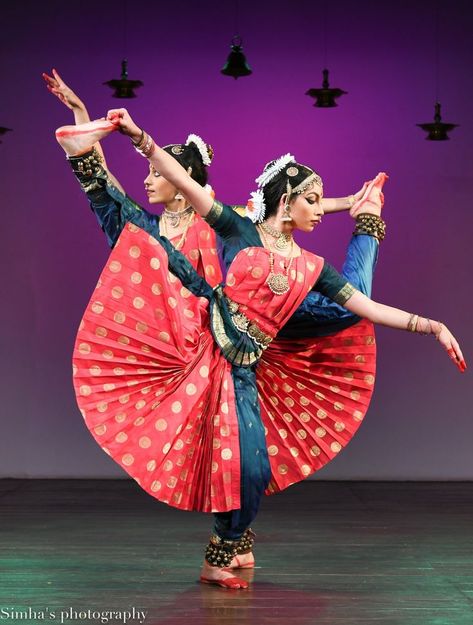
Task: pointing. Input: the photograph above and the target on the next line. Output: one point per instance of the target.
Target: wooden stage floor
(328, 553)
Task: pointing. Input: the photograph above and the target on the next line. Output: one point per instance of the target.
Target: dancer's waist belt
(241, 340)
(242, 323)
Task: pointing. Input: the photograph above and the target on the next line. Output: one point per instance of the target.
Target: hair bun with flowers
(206, 151)
(273, 168)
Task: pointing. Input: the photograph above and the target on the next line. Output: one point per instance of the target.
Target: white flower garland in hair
(275, 168)
(201, 146)
(256, 207)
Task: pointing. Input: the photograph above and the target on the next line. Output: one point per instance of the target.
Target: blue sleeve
(113, 210)
(235, 232)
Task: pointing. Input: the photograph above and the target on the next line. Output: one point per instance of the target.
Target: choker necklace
(164, 232)
(278, 283)
(282, 239)
(174, 217)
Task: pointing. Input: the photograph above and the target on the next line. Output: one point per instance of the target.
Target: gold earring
(287, 213)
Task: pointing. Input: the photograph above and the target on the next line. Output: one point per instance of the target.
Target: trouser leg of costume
(320, 316)
(112, 208)
(255, 468)
(360, 262)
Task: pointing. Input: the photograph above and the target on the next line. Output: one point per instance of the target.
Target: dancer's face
(306, 209)
(159, 190)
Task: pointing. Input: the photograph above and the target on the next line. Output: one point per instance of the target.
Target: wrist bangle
(351, 200)
(145, 146)
(412, 323)
(424, 331)
(137, 144)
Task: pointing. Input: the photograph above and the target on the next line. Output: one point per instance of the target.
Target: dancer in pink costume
(176, 398)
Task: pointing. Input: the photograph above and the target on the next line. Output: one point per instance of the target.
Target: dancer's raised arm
(340, 204)
(67, 96)
(56, 85)
(162, 162)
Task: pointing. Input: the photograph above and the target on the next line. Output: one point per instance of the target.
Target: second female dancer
(180, 383)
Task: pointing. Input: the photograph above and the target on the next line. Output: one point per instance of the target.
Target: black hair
(189, 156)
(277, 186)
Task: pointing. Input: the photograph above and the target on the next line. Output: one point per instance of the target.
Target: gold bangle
(351, 200)
(412, 323)
(139, 144)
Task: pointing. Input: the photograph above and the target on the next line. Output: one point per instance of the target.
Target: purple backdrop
(419, 425)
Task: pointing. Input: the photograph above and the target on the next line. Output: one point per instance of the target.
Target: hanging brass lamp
(124, 88)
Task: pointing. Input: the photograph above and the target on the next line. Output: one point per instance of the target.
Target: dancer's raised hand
(122, 119)
(58, 87)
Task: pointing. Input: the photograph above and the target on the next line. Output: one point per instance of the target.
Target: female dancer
(318, 316)
(175, 397)
(114, 208)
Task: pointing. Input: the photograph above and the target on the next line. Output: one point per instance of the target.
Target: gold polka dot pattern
(328, 383)
(158, 396)
(152, 419)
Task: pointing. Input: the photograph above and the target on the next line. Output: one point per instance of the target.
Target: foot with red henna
(373, 199)
(77, 140)
(243, 561)
(221, 577)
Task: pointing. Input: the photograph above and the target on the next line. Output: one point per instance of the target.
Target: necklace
(278, 283)
(282, 239)
(174, 217)
(181, 241)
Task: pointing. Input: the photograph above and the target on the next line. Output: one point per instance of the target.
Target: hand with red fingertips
(449, 342)
(124, 123)
(65, 94)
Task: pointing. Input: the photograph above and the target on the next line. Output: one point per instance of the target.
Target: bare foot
(243, 561)
(76, 140)
(221, 577)
(373, 198)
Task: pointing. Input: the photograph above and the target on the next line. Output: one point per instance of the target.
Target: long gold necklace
(278, 283)
(282, 239)
(181, 241)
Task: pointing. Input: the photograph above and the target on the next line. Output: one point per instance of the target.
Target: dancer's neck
(176, 206)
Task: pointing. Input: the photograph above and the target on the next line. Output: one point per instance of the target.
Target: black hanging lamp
(438, 130)
(4, 130)
(325, 97)
(236, 64)
(124, 88)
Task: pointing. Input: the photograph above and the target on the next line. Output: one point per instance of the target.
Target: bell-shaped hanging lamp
(438, 131)
(124, 88)
(325, 97)
(236, 64)
(3, 130)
